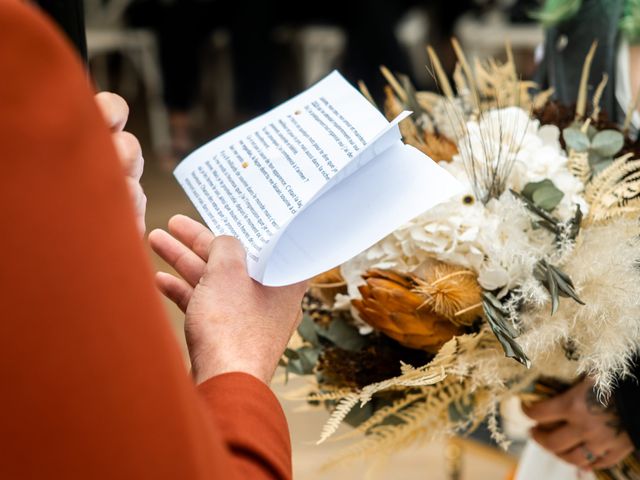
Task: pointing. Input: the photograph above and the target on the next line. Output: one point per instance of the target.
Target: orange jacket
(93, 385)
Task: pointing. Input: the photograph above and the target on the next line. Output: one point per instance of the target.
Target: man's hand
(576, 427)
(233, 324)
(115, 112)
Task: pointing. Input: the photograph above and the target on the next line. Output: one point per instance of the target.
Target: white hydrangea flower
(496, 240)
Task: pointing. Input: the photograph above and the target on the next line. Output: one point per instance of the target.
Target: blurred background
(192, 69)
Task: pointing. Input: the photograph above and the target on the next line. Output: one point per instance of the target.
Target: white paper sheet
(311, 183)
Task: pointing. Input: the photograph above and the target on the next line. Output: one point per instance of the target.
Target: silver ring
(587, 454)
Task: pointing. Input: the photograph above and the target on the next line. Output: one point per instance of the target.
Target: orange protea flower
(421, 313)
(390, 304)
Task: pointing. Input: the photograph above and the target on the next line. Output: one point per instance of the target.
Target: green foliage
(301, 361)
(556, 11)
(339, 333)
(307, 330)
(342, 335)
(543, 194)
(502, 328)
(576, 139)
(630, 23)
(557, 283)
(548, 221)
(607, 142)
(601, 146)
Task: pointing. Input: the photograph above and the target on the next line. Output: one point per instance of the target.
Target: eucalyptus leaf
(531, 187)
(295, 366)
(600, 166)
(548, 221)
(607, 142)
(595, 158)
(547, 197)
(307, 330)
(576, 139)
(343, 335)
(290, 353)
(308, 358)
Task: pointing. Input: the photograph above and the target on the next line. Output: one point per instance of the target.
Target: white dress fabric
(538, 464)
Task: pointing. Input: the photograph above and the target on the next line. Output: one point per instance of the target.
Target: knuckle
(577, 406)
(113, 107)
(130, 153)
(128, 145)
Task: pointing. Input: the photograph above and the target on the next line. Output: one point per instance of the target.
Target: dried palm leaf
(615, 191)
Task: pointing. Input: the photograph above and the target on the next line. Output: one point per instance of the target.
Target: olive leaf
(607, 142)
(576, 139)
(557, 283)
(503, 329)
(574, 223)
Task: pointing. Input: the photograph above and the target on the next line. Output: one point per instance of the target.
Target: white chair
(317, 48)
(107, 34)
(485, 36)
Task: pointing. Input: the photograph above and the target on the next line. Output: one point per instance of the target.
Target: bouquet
(532, 273)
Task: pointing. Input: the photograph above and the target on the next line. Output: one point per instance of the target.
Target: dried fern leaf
(614, 191)
(337, 416)
(578, 165)
(381, 415)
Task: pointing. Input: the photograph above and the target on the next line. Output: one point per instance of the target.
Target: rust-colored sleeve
(92, 382)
